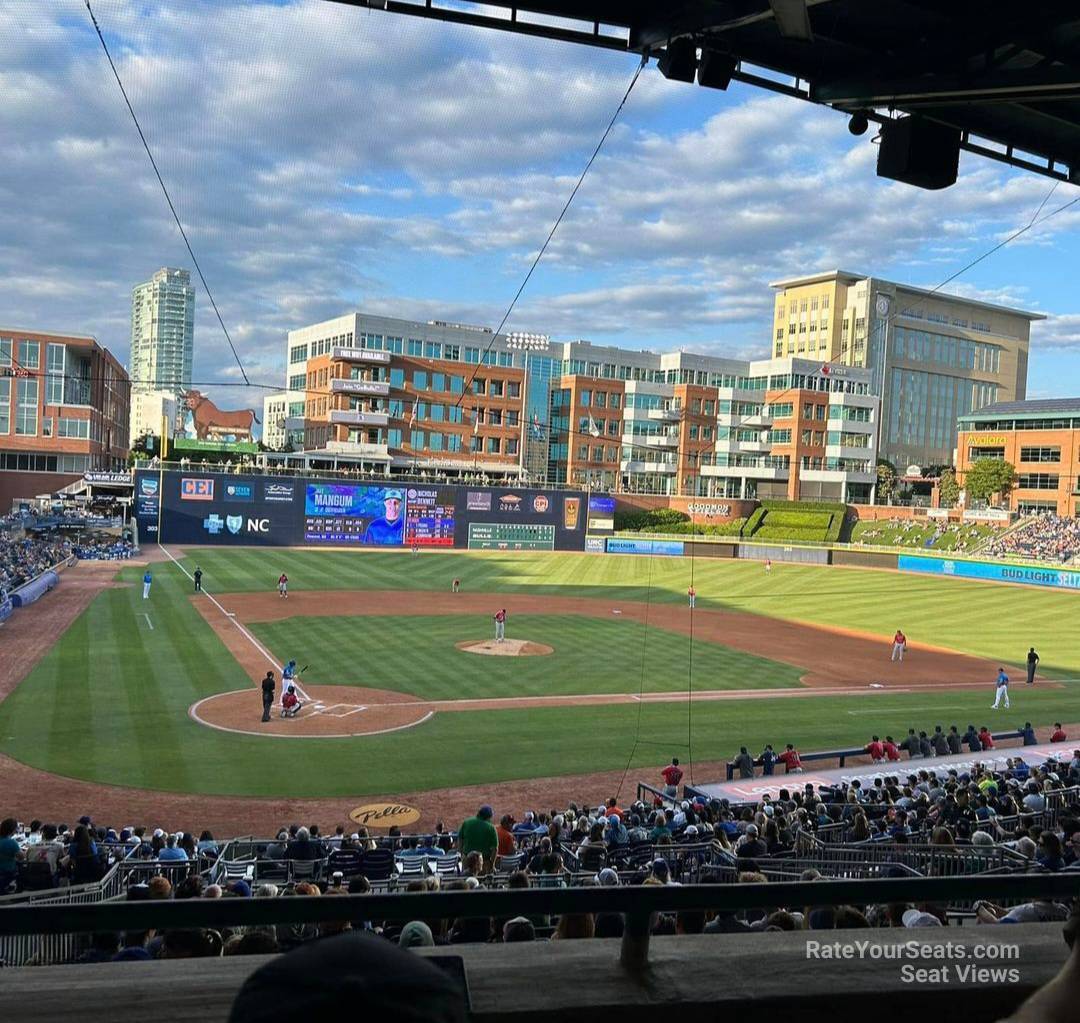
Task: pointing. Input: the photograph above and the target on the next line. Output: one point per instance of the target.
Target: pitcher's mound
(507, 648)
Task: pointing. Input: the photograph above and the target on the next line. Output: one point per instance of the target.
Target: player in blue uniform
(389, 528)
(147, 579)
(288, 674)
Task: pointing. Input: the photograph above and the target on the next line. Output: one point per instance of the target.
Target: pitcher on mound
(500, 625)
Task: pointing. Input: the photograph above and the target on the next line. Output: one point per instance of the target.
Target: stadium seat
(377, 864)
(35, 877)
(505, 865)
(449, 865)
(305, 870)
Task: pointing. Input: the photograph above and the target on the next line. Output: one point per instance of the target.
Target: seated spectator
(172, 852)
(520, 928)
(10, 853)
(1058, 734)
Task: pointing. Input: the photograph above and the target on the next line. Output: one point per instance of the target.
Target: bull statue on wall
(203, 420)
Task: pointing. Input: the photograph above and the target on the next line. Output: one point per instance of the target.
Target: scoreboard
(511, 536)
(429, 517)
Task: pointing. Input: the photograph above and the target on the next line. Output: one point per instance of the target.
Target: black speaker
(679, 61)
(715, 69)
(919, 152)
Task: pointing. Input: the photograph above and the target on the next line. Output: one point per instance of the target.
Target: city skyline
(303, 208)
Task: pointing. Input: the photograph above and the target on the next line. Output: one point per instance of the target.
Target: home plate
(616, 611)
(320, 706)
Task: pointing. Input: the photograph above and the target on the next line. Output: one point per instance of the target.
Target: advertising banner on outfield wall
(1001, 572)
(626, 545)
(220, 508)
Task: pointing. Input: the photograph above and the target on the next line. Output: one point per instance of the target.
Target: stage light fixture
(679, 61)
(859, 123)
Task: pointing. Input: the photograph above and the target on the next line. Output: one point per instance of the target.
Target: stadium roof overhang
(992, 77)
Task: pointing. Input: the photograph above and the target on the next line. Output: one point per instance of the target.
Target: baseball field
(110, 699)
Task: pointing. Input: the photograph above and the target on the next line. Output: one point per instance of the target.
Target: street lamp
(525, 342)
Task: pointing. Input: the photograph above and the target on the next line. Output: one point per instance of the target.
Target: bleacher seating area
(25, 557)
(1045, 538)
(914, 821)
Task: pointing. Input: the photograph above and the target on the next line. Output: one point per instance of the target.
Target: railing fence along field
(637, 904)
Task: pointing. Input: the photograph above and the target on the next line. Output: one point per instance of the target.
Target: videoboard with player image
(504, 518)
(429, 516)
(347, 513)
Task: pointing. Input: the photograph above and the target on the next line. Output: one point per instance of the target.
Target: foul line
(231, 616)
(148, 622)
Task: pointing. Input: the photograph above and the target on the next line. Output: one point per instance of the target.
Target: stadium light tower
(525, 342)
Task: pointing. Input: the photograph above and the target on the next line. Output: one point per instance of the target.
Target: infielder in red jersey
(283, 585)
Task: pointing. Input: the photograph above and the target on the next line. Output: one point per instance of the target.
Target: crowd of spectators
(23, 558)
(1031, 811)
(1046, 538)
(102, 547)
(929, 533)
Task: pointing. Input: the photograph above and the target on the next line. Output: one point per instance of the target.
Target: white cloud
(325, 158)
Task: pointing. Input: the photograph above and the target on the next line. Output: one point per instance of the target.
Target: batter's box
(341, 710)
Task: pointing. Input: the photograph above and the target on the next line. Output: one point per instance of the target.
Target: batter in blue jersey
(389, 528)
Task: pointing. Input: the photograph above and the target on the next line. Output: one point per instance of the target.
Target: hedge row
(732, 528)
(635, 521)
(832, 507)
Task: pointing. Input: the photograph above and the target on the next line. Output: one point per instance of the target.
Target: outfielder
(692, 594)
(1002, 690)
(147, 579)
(500, 625)
(899, 645)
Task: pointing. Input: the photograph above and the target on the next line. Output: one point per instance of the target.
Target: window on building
(397, 377)
(495, 388)
(1040, 454)
(54, 366)
(819, 411)
(415, 347)
(453, 442)
(511, 445)
(613, 427)
(479, 385)
(26, 407)
(472, 354)
(437, 413)
(600, 399)
(393, 437)
(494, 445)
(457, 385)
(438, 382)
(432, 350)
(298, 353)
(513, 389)
(1037, 481)
(585, 397)
(5, 405)
(455, 414)
(417, 438)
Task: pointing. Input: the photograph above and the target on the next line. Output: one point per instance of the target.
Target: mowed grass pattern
(988, 620)
(592, 655)
(109, 702)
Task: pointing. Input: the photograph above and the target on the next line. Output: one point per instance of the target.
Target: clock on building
(882, 305)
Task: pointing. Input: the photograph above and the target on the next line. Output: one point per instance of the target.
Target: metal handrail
(636, 903)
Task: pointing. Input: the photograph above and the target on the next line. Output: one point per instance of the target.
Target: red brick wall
(16, 485)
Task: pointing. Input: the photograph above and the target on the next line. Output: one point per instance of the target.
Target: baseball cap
(660, 866)
(608, 878)
(917, 918)
(751, 829)
(392, 495)
(691, 829)
(485, 811)
(158, 833)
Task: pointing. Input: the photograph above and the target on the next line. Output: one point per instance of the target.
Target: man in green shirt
(477, 834)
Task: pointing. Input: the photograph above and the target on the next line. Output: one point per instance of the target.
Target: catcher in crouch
(290, 703)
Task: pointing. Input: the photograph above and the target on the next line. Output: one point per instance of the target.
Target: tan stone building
(934, 357)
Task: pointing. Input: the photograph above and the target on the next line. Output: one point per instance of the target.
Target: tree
(886, 480)
(948, 489)
(988, 476)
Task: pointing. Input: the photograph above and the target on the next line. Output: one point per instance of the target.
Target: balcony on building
(355, 449)
(638, 465)
(665, 415)
(657, 440)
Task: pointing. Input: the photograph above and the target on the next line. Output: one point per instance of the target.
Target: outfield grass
(109, 702)
(417, 655)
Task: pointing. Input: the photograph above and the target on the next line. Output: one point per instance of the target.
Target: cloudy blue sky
(325, 159)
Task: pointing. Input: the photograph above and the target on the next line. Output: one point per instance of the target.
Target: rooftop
(1020, 409)
(851, 278)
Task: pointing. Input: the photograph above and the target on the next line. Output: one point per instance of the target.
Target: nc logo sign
(235, 523)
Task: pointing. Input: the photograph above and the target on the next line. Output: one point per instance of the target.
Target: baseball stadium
(496, 677)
